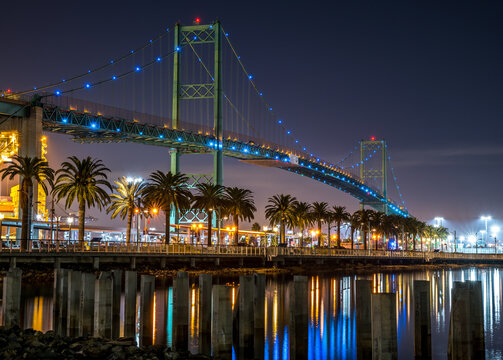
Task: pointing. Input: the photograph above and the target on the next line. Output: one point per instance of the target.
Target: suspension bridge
(188, 90)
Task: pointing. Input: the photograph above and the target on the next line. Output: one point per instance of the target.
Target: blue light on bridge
(250, 76)
(137, 68)
(118, 130)
(304, 149)
(111, 61)
(141, 132)
(161, 136)
(276, 157)
(64, 120)
(179, 139)
(63, 80)
(132, 51)
(226, 34)
(114, 77)
(270, 109)
(279, 121)
(159, 58)
(177, 48)
(93, 125)
(288, 132)
(245, 150)
(296, 141)
(57, 92)
(194, 38)
(261, 94)
(233, 148)
(88, 86)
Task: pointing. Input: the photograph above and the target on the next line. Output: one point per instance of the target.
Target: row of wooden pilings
(376, 322)
(88, 305)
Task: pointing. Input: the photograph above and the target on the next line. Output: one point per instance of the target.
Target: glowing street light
(486, 219)
(439, 221)
(494, 232)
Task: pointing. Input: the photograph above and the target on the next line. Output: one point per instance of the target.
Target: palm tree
(240, 204)
(280, 210)
(256, 226)
(365, 218)
(339, 215)
(126, 201)
(429, 232)
(210, 197)
(302, 212)
(354, 222)
(319, 211)
(170, 192)
(30, 170)
(85, 181)
(442, 233)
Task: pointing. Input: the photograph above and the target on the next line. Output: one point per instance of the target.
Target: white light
(69, 220)
(495, 229)
(472, 238)
(485, 218)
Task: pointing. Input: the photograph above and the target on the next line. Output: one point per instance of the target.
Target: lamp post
(486, 219)
(69, 220)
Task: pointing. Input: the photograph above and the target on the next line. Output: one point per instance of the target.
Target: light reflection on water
(331, 304)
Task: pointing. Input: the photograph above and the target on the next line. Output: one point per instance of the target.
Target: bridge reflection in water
(331, 305)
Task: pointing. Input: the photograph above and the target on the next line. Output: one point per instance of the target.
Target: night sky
(426, 76)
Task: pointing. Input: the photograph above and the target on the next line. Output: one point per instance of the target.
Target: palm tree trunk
(301, 236)
(25, 216)
(414, 243)
(328, 234)
(338, 234)
(364, 239)
(352, 239)
(82, 219)
(236, 234)
(210, 218)
(282, 232)
(128, 228)
(167, 230)
(319, 234)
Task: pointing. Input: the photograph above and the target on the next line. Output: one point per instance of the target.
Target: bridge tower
(189, 36)
(369, 148)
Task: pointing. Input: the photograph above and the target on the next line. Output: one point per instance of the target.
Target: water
(331, 310)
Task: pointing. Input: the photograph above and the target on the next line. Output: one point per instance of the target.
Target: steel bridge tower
(188, 36)
(367, 148)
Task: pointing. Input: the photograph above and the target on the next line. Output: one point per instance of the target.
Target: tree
(240, 204)
(256, 226)
(354, 222)
(125, 201)
(319, 212)
(85, 181)
(170, 192)
(339, 215)
(280, 210)
(302, 213)
(442, 234)
(29, 170)
(365, 218)
(209, 197)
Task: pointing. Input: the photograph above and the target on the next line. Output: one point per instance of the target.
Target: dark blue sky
(427, 76)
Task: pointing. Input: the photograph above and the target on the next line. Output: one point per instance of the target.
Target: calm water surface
(331, 304)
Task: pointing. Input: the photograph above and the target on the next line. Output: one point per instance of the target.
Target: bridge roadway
(179, 255)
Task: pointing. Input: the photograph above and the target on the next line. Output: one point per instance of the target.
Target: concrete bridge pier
(11, 298)
(96, 263)
(363, 320)
(116, 303)
(60, 301)
(217, 261)
(205, 286)
(73, 308)
(131, 288)
(299, 318)
(86, 318)
(163, 262)
(193, 262)
(245, 314)
(12, 263)
(181, 311)
(132, 263)
(103, 305)
(258, 315)
(222, 322)
(422, 319)
(161, 311)
(147, 287)
(466, 330)
(384, 331)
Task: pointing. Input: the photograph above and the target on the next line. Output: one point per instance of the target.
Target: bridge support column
(103, 305)
(147, 287)
(96, 263)
(131, 287)
(205, 286)
(116, 303)
(163, 262)
(299, 318)
(422, 320)
(245, 314)
(384, 332)
(73, 309)
(193, 262)
(86, 320)
(132, 263)
(217, 261)
(363, 320)
(466, 329)
(12, 263)
(241, 261)
(60, 298)
(181, 311)
(258, 315)
(221, 334)
(11, 298)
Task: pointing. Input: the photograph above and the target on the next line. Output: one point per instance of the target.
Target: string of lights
(395, 181)
(97, 69)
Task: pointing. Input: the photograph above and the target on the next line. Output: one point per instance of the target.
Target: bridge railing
(114, 247)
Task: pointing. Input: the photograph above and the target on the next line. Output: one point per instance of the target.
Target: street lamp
(69, 220)
(486, 219)
(439, 221)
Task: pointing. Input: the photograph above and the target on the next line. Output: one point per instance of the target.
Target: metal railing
(152, 248)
